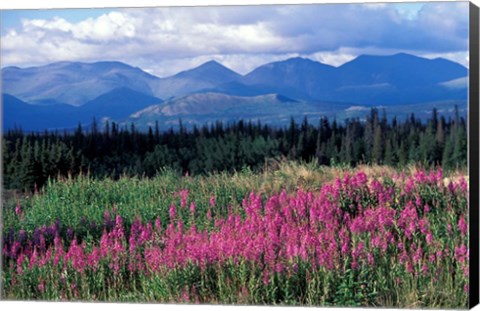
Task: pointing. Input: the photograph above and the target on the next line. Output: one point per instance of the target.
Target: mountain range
(62, 95)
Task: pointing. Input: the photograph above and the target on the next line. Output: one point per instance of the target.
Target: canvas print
(307, 155)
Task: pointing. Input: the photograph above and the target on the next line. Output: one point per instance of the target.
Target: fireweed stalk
(354, 242)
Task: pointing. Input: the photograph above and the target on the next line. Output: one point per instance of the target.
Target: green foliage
(78, 202)
(30, 159)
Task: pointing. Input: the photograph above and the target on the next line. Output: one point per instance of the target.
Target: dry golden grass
(279, 174)
(292, 176)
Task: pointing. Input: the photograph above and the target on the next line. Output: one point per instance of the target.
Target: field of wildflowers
(391, 239)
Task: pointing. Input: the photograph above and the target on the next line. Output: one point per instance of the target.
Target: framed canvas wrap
(320, 154)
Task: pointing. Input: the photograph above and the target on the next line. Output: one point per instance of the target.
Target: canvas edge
(473, 154)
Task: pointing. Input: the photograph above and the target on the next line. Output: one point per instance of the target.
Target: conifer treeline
(30, 159)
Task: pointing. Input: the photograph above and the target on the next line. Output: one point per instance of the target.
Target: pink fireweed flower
(73, 287)
(94, 258)
(409, 186)
(158, 225)
(119, 227)
(371, 259)
(28, 249)
(375, 241)
(345, 244)
(172, 212)
(117, 253)
(358, 225)
(460, 253)
(354, 264)
(43, 243)
(180, 226)
(132, 244)
(193, 208)
(20, 260)
(279, 267)
(421, 177)
(104, 244)
(33, 259)
(106, 216)
(377, 187)
(417, 257)
(462, 225)
(360, 179)
(439, 175)
(439, 254)
(59, 253)
(16, 247)
(152, 258)
(357, 252)
(185, 296)
(136, 227)
(403, 256)
(452, 187)
(424, 225)
(429, 238)
(424, 269)
(183, 197)
(145, 234)
(409, 267)
(266, 277)
(463, 184)
(408, 220)
(5, 250)
(346, 178)
(18, 209)
(76, 256)
(41, 286)
(212, 201)
(449, 228)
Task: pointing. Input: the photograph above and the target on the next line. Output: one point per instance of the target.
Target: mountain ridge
(115, 90)
(74, 83)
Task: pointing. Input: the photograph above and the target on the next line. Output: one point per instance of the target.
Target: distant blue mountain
(73, 83)
(394, 79)
(205, 76)
(117, 104)
(295, 77)
(397, 79)
(267, 79)
(368, 80)
(17, 113)
(61, 95)
(401, 70)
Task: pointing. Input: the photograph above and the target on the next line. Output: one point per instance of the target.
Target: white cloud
(459, 57)
(335, 58)
(114, 26)
(167, 40)
(56, 24)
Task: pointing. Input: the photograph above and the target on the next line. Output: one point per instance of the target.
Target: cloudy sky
(164, 41)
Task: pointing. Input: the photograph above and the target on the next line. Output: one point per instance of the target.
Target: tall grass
(295, 234)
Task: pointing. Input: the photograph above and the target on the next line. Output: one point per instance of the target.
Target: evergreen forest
(110, 150)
